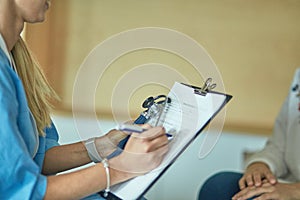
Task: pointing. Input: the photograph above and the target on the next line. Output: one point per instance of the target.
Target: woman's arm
(65, 157)
(74, 155)
(143, 152)
(78, 184)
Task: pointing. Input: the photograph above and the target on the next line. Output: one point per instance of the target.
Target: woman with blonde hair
(30, 154)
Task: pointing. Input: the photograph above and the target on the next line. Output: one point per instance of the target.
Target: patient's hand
(268, 191)
(255, 174)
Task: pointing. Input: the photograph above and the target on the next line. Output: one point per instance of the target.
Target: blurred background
(255, 45)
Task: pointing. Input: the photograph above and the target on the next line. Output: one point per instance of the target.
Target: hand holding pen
(143, 151)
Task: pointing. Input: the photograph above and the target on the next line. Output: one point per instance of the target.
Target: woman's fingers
(150, 134)
(257, 179)
(271, 178)
(144, 151)
(250, 192)
(242, 183)
(255, 174)
(249, 180)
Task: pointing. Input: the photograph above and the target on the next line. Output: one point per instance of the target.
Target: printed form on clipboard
(185, 117)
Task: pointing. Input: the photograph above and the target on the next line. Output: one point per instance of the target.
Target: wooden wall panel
(47, 41)
(255, 44)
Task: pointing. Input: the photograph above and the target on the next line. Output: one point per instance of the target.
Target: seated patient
(274, 172)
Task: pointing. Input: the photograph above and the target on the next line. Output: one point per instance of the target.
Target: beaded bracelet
(106, 166)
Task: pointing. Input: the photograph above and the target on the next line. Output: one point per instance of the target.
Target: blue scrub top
(22, 151)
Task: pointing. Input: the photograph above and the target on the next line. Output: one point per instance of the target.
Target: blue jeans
(221, 186)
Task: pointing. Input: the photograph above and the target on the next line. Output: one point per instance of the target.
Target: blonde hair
(38, 91)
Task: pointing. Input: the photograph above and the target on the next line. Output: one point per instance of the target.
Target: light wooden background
(255, 44)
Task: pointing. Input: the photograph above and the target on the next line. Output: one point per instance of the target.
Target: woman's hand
(143, 152)
(268, 191)
(255, 174)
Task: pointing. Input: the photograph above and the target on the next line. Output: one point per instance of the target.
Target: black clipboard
(204, 92)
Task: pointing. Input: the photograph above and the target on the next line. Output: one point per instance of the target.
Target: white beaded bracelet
(106, 166)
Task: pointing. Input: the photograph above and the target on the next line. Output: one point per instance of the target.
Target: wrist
(119, 172)
(256, 164)
(92, 151)
(104, 146)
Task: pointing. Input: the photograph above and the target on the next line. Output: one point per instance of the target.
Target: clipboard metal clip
(207, 87)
